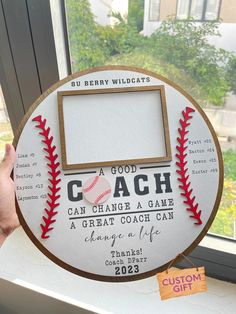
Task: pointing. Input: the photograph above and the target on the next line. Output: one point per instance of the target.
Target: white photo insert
(113, 126)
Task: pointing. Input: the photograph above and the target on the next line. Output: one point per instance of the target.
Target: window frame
(203, 12)
(23, 57)
(149, 13)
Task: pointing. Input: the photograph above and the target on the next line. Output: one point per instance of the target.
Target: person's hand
(8, 217)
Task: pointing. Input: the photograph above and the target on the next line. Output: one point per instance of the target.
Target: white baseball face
(96, 190)
(114, 185)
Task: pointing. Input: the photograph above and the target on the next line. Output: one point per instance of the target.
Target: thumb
(9, 159)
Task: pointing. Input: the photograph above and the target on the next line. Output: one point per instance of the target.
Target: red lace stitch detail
(182, 171)
(53, 180)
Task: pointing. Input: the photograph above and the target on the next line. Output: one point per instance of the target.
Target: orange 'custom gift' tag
(175, 282)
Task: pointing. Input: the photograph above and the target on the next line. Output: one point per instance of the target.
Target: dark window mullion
(204, 10)
(43, 42)
(28, 60)
(22, 50)
(218, 11)
(189, 8)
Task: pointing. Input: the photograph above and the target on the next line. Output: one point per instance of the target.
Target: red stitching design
(53, 165)
(182, 171)
(91, 186)
(99, 198)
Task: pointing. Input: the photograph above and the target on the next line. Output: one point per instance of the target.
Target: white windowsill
(22, 264)
(220, 244)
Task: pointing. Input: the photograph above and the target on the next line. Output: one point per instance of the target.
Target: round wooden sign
(118, 171)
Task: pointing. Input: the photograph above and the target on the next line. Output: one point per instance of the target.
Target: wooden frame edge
(160, 88)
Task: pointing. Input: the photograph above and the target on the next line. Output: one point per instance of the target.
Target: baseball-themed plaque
(118, 171)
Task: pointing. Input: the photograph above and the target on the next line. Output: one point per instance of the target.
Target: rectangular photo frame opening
(113, 126)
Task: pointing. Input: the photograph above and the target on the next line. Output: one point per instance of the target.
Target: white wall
(103, 8)
(227, 40)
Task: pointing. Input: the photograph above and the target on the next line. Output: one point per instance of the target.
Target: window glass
(6, 135)
(154, 13)
(212, 9)
(183, 9)
(196, 11)
(206, 71)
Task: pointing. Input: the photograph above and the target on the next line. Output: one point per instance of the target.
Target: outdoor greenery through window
(188, 53)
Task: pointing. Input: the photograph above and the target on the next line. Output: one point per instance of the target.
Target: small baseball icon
(96, 190)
